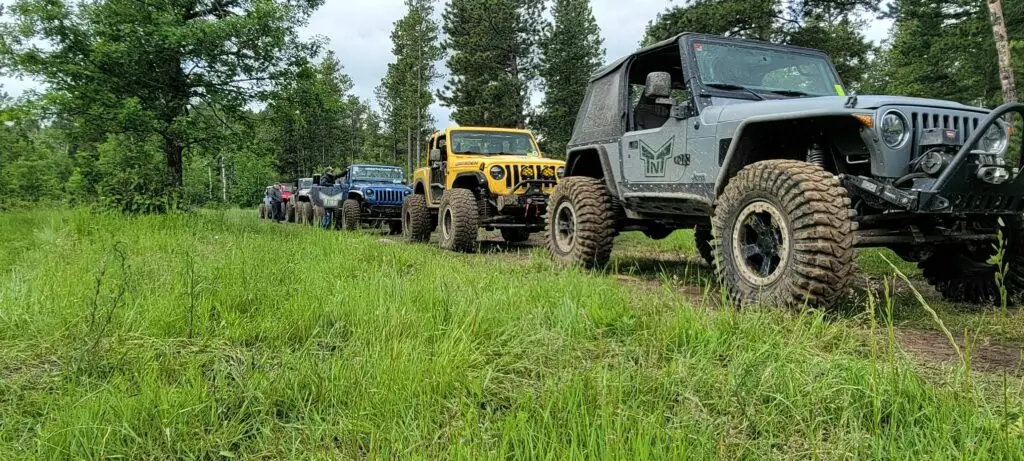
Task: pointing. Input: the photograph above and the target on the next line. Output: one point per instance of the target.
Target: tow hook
(993, 174)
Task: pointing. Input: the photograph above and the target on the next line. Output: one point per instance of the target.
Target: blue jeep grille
(388, 196)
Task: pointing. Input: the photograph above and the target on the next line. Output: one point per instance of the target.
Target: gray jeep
(758, 147)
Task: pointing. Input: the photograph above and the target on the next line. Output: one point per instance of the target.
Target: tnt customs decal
(655, 159)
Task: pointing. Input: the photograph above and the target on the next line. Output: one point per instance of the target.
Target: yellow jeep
(494, 178)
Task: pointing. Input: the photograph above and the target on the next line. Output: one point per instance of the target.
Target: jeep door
(438, 168)
(654, 149)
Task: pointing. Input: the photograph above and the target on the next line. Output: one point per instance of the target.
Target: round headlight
(560, 171)
(994, 141)
(548, 172)
(527, 172)
(894, 129)
(497, 172)
(369, 192)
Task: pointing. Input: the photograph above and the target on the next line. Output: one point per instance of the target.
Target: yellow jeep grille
(516, 173)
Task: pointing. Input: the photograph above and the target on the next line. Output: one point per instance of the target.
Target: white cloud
(359, 33)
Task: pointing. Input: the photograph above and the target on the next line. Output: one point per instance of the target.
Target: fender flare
(726, 171)
(478, 176)
(576, 154)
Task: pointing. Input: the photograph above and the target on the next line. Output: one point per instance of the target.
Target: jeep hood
(378, 185)
(506, 159)
(738, 111)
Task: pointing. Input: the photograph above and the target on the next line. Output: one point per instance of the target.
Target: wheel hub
(760, 243)
(565, 226)
(446, 223)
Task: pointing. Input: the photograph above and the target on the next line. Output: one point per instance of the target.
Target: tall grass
(215, 335)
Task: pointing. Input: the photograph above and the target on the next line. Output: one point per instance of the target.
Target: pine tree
(404, 93)
(570, 52)
(943, 49)
(492, 56)
(828, 25)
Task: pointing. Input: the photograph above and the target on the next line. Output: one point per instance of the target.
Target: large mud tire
(703, 237)
(513, 235)
(964, 272)
(416, 219)
(581, 223)
(783, 235)
(289, 212)
(350, 214)
(459, 220)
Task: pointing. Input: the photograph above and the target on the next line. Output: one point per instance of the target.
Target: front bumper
(382, 211)
(959, 189)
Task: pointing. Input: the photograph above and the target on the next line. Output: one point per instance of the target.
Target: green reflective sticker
(839, 90)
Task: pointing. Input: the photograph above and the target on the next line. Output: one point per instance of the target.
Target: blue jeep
(371, 193)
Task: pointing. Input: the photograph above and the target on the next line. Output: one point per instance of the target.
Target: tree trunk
(173, 148)
(995, 12)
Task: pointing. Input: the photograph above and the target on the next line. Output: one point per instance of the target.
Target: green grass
(216, 335)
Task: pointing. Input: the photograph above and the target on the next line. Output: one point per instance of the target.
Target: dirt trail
(934, 347)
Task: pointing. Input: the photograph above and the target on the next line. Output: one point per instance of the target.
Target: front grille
(513, 174)
(964, 124)
(388, 196)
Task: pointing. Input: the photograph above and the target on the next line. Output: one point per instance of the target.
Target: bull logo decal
(655, 159)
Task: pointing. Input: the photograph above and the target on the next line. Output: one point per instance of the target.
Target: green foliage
(570, 53)
(132, 178)
(404, 94)
(143, 67)
(827, 25)
(314, 120)
(190, 336)
(492, 60)
(945, 50)
(34, 162)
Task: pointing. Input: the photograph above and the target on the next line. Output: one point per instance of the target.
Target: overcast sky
(359, 32)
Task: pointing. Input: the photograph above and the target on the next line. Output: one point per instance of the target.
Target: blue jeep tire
(350, 211)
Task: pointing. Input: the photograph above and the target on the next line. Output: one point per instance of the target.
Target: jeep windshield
(764, 71)
(305, 183)
(492, 143)
(378, 174)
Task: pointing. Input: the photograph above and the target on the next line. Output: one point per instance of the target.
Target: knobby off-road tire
(962, 272)
(783, 235)
(305, 213)
(580, 223)
(415, 219)
(289, 212)
(512, 235)
(703, 238)
(459, 220)
(350, 211)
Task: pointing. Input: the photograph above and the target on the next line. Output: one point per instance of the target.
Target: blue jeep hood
(380, 185)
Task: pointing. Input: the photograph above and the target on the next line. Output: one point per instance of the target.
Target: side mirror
(435, 155)
(659, 85)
